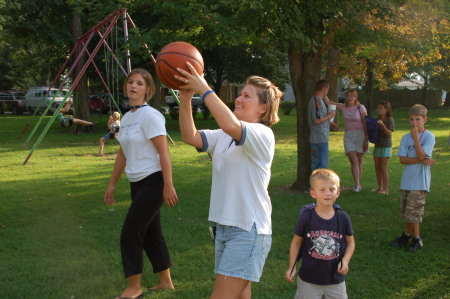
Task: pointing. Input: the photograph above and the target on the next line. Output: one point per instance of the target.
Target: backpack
(372, 127)
(307, 209)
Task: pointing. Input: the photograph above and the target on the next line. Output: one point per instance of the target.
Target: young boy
(414, 152)
(324, 235)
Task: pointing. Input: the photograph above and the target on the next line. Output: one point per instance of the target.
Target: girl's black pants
(141, 230)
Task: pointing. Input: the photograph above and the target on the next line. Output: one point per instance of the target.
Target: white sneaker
(356, 188)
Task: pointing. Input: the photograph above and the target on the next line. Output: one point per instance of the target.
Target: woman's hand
(108, 198)
(170, 196)
(193, 80)
(365, 144)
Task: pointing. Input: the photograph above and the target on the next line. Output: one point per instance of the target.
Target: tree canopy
(373, 43)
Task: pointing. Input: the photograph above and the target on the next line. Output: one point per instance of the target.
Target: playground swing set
(103, 30)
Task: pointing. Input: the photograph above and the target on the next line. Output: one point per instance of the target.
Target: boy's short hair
(321, 84)
(324, 174)
(418, 109)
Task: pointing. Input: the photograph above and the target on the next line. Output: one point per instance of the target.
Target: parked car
(12, 102)
(40, 97)
(97, 104)
(121, 100)
(196, 100)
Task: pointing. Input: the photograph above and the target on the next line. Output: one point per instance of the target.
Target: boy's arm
(293, 252)
(349, 249)
(325, 118)
(419, 150)
(410, 160)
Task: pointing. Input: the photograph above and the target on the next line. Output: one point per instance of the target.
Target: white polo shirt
(136, 130)
(240, 177)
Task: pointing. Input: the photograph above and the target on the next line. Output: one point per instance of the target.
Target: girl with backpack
(383, 146)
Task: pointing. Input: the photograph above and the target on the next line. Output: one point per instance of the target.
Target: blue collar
(138, 106)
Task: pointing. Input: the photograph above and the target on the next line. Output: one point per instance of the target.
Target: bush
(287, 107)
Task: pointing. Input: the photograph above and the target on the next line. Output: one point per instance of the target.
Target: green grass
(59, 240)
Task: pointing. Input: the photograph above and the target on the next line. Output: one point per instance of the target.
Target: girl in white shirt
(242, 152)
(144, 156)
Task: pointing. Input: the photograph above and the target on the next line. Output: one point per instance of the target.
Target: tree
(310, 29)
(413, 39)
(303, 29)
(43, 33)
(231, 51)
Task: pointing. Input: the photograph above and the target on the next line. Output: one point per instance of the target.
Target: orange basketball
(173, 56)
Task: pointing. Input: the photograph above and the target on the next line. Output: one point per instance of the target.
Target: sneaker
(401, 241)
(356, 188)
(415, 244)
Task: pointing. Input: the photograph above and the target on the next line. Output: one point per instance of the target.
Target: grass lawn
(59, 240)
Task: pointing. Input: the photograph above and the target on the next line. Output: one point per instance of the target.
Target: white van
(38, 97)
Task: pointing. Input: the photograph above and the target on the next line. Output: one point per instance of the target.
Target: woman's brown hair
(268, 94)
(147, 78)
(388, 108)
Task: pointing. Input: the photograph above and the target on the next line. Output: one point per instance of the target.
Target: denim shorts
(240, 253)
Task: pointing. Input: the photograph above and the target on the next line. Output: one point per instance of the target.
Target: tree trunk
(155, 101)
(425, 91)
(334, 60)
(81, 90)
(304, 69)
(369, 86)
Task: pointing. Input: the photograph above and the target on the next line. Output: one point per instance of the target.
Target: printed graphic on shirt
(326, 244)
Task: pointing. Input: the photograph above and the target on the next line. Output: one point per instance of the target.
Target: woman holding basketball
(242, 152)
(144, 156)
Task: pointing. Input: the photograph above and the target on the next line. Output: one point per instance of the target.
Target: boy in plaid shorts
(414, 152)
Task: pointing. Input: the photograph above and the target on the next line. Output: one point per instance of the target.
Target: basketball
(173, 56)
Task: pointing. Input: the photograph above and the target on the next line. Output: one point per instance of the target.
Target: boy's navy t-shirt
(323, 246)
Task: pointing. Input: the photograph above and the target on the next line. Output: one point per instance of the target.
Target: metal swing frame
(82, 43)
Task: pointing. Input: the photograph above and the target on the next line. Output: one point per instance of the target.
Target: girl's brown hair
(148, 81)
(268, 94)
(388, 108)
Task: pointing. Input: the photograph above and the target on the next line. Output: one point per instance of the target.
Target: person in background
(319, 126)
(323, 237)
(356, 140)
(415, 151)
(242, 152)
(68, 121)
(113, 130)
(144, 156)
(383, 147)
